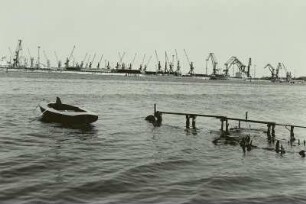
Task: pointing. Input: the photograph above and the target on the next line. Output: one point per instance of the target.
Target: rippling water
(124, 159)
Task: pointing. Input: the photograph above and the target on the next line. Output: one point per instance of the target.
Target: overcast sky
(268, 31)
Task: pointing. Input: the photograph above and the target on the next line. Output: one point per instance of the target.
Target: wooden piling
(154, 108)
(222, 125)
(193, 122)
(226, 128)
(187, 121)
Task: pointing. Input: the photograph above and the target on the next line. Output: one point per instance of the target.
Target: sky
(268, 31)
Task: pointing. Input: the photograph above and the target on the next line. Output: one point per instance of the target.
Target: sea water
(122, 158)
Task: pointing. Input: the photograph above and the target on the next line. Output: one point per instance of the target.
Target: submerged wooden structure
(157, 121)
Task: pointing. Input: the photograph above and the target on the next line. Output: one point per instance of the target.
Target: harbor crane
(16, 59)
(272, 70)
(38, 57)
(235, 61)
(158, 63)
(98, 66)
(146, 65)
(191, 70)
(288, 74)
(228, 64)
(119, 64)
(47, 60)
(59, 63)
(132, 63)
(249, 68)
(214, 62)
(31, 59)
(90, 63)
(171, 64)
(87, 61)
(178, 66)
(82, 62)
(166, 63)
(11, 55)
(69, 58)
(141, 65)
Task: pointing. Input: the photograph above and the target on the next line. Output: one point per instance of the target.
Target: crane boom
(121, 57)
(93, 58)
(101, 59)
(156, 56)
(98, 65)
(143, 59)
(187, 57)
(71, 52)
(146, 65)
(56, 56)
(132, 63)
(272, 70)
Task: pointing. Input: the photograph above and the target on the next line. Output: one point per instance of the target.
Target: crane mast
(98, 66)
(47, 60)
(191, 70)
(146, 65)
(69, 58)
(132, 63)
(90, 63)
(178, 66)
(214, 62)
(249, 68)
(159, 67)
(141, 65)
(16, 59)
(31, 59)
(166, 63)
(279, 66)
(82, 62)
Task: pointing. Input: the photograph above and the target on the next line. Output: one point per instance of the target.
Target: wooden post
(273, 131)
(269, 132)
(239, 124)
(187, 121)
(154, 108)
(193, 122)
(246, 115)
(292, 134)
(226, 128)
(159, 118)
(222, 120)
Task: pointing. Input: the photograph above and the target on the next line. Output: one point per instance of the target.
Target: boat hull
(52, 115)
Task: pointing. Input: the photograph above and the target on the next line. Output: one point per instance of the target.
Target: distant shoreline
(140, 76)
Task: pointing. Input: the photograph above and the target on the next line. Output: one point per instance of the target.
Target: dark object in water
(66, 114)
(150, 118)
(277, 146)
(156, 120)
(302, 153)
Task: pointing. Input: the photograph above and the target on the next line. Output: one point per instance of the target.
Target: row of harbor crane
(172, 64)
(275, 71)
(231, 62)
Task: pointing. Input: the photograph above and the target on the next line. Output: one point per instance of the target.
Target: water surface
(124, 159)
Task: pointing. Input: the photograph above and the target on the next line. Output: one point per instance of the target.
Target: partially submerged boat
(65, 114)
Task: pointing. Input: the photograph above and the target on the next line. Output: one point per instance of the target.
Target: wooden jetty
(224, 122)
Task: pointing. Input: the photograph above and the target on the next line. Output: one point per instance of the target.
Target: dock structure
(225, 122)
